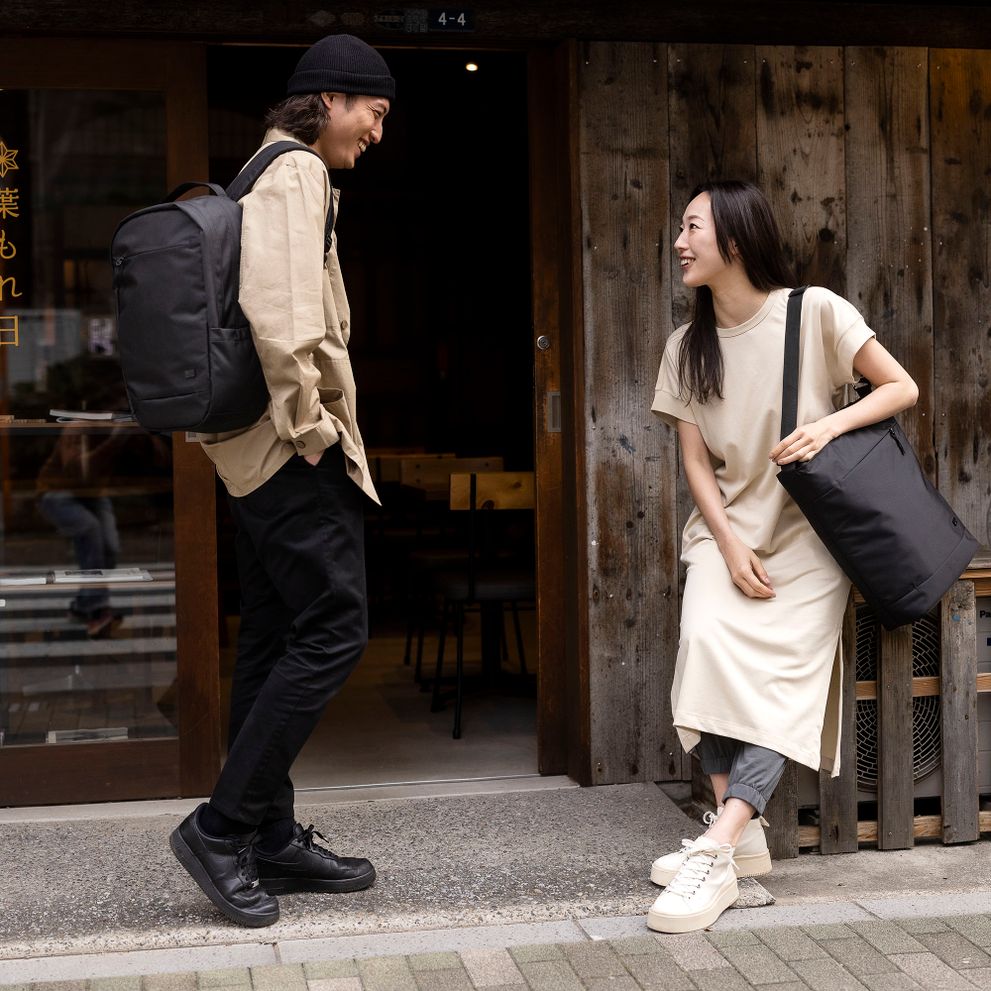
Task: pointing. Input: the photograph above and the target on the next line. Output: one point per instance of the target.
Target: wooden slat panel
(958, 713)
(889, 263)
(501, 489)
(960, 103)
(800, 157)
(894, 709)
(630, 460)
(838, 796)
(923, 828)
(711, 121)
(782, 816)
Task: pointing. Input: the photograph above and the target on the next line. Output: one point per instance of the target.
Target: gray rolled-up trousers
(754, 772)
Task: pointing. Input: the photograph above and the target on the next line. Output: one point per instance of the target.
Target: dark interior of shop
(433, 237)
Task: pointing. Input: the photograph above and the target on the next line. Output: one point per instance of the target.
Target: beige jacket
(300, 321)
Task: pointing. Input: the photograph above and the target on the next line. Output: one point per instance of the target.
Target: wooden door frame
(562, 709)
(88, 772)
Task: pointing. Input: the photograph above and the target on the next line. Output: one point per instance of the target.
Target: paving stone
(915, 926)
(858, 956)
(930, 971)
(278, 977)
(977, 928)
(887, 937)
(550, 975)
(619, 982)
(386, 974)
(955, 950)
(451, 979)
(169, 982)
(692, 951)
(335, 984)
(593, 960)
(721, 979)
(224, 978)
(490, 968)
(758, 964)
(658, 972)
(631, 946)
(433, 961)
(891, 982)
(826, 975)
(732, 937)
(531, 954)
(980, 977)
(322, 969)
(830, 930)
(791, 943)
(114, 984)
(60, 985)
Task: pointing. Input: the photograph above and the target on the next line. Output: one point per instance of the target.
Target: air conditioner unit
(926, 746)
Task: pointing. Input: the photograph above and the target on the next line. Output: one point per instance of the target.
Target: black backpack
(186, 351)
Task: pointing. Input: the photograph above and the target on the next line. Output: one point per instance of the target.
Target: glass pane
(87, 573)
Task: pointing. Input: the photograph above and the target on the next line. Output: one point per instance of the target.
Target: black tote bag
(867, 498)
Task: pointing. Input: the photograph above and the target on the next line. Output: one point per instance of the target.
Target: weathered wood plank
(712, 136)
(782, 816)
(712, 132)
(894, 710)
(960, 104)
(838, 796)
(958, 713)
(800, 157)
(629, 456)
(889, 245)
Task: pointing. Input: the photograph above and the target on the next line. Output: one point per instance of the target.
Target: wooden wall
(876, 161)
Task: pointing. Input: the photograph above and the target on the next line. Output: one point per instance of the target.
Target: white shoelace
(699, 860)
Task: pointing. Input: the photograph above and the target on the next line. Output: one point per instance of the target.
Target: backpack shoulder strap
(250, 174)
(789, 386)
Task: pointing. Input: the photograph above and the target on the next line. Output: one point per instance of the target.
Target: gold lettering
(14, 294)
(7, 156)
(6, 246)
(9, 203)
(9, 331)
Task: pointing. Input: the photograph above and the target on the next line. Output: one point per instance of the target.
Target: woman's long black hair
(743, 219)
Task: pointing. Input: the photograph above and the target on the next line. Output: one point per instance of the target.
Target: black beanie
(342, 63)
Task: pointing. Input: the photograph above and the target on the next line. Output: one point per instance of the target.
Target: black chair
(487, 580)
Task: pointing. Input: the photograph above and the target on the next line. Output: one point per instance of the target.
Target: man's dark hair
(743, 216)
(303, 116)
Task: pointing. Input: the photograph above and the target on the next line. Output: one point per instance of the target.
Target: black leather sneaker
(225, 868)
(302, 865)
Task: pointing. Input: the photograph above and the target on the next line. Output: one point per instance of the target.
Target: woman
(755, 681)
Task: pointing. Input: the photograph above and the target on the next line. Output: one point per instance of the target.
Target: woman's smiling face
(697, 248)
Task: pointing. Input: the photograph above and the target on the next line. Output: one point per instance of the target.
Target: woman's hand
(313, 459)
(804, 443)
(745, 569)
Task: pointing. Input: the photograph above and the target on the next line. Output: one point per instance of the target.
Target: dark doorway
(434, 240)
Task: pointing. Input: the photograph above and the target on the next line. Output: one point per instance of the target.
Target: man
(295, 481)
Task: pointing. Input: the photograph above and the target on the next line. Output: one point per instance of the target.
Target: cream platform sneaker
(752, 856)
(704, 887)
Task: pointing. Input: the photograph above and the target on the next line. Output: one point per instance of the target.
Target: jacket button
(344, 325)
(301, 443)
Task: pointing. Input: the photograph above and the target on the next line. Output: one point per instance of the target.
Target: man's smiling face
(350, 130)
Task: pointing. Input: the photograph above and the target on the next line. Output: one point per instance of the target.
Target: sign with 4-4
(453, 19)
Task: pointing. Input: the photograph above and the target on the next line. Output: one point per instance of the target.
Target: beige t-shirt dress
(763, 671)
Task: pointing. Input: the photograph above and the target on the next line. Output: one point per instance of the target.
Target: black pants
(304, 625)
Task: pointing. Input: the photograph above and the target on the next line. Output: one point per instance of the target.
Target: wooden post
(894, 708)
(782, 814)
(958, 713)
(838, 796)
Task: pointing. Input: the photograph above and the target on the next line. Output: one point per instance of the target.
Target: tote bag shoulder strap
(789, 387)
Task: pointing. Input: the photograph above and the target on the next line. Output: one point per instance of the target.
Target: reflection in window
(87, 574)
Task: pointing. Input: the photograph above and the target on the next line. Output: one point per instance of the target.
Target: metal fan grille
(926, 747)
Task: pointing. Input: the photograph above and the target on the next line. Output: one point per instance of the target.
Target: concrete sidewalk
(542, 889)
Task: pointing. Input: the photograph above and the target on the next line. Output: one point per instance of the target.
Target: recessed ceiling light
(472, 67)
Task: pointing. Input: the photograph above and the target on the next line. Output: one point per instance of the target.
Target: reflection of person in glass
(74, 499)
